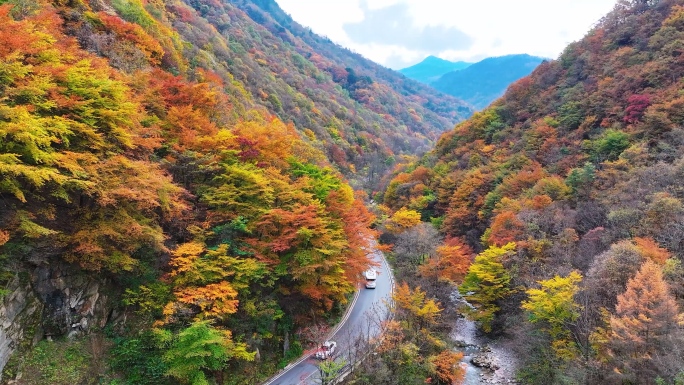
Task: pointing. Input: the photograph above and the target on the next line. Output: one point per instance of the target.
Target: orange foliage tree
(505, 228)
(73, 133)
(448, 368)
(645, 320)
(649, 249)
(451, 263)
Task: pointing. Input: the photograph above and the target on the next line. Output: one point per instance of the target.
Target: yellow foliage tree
(553, 306)
(487, 283)
(402, 220)
(414, 308)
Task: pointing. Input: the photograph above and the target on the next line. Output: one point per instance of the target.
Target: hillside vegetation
(569, 190)
(362, 115)
(196, 165)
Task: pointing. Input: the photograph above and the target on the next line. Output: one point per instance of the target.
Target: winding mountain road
(368, 308)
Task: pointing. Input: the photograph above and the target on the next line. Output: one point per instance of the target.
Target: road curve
(369, 308)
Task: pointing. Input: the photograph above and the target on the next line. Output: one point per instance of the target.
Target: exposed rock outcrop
(484, 360)
(19, 318)
(53, 300)
(74, 301)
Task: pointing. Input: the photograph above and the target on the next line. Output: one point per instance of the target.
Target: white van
(326, 350)
(371, 275)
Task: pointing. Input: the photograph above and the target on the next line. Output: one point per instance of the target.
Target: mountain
(432, 68)
(176, 186)
(483, 82)
(364, 114)
(569, 189)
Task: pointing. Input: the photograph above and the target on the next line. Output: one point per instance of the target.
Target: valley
(207, 192)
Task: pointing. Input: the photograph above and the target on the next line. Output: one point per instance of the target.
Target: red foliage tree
(636, 106)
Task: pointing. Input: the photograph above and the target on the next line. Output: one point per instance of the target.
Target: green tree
(580, 179)
(610, 145)
(570, 115)
(329, 370)
(321, 180)
(201, 348)
(21, 8)
(487, 283)
(140, 358)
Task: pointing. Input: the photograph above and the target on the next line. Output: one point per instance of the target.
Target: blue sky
(399, 33)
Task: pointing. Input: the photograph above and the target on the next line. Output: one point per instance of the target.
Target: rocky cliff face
(19, 318)
(52, 300)
(74, 302)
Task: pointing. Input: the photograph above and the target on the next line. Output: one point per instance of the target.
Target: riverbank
(486, 361)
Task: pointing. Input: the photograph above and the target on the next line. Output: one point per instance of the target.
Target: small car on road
(371, 275)
(326, 350)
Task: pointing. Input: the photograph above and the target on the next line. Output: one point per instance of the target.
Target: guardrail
(344, 319)
(347, 369)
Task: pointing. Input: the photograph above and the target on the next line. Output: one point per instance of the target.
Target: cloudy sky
(399, 33)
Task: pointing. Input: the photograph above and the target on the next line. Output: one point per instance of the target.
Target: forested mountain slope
(483, 82)
(572, 182)
(362, 114)
(165, 177)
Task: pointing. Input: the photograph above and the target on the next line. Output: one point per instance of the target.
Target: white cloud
(394, 25)
(497, 27)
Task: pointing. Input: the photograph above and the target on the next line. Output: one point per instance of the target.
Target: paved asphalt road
(368, 309)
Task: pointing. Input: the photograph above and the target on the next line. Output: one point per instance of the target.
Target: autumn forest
(191, 191)
(568, 191)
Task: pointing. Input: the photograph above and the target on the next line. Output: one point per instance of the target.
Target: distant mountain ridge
(483, 82)
(432, 68)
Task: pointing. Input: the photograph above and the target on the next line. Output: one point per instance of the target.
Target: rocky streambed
(486, 361)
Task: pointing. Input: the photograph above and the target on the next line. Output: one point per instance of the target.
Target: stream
(496, 360)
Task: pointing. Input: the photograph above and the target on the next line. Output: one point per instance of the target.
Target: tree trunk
(286, 343)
